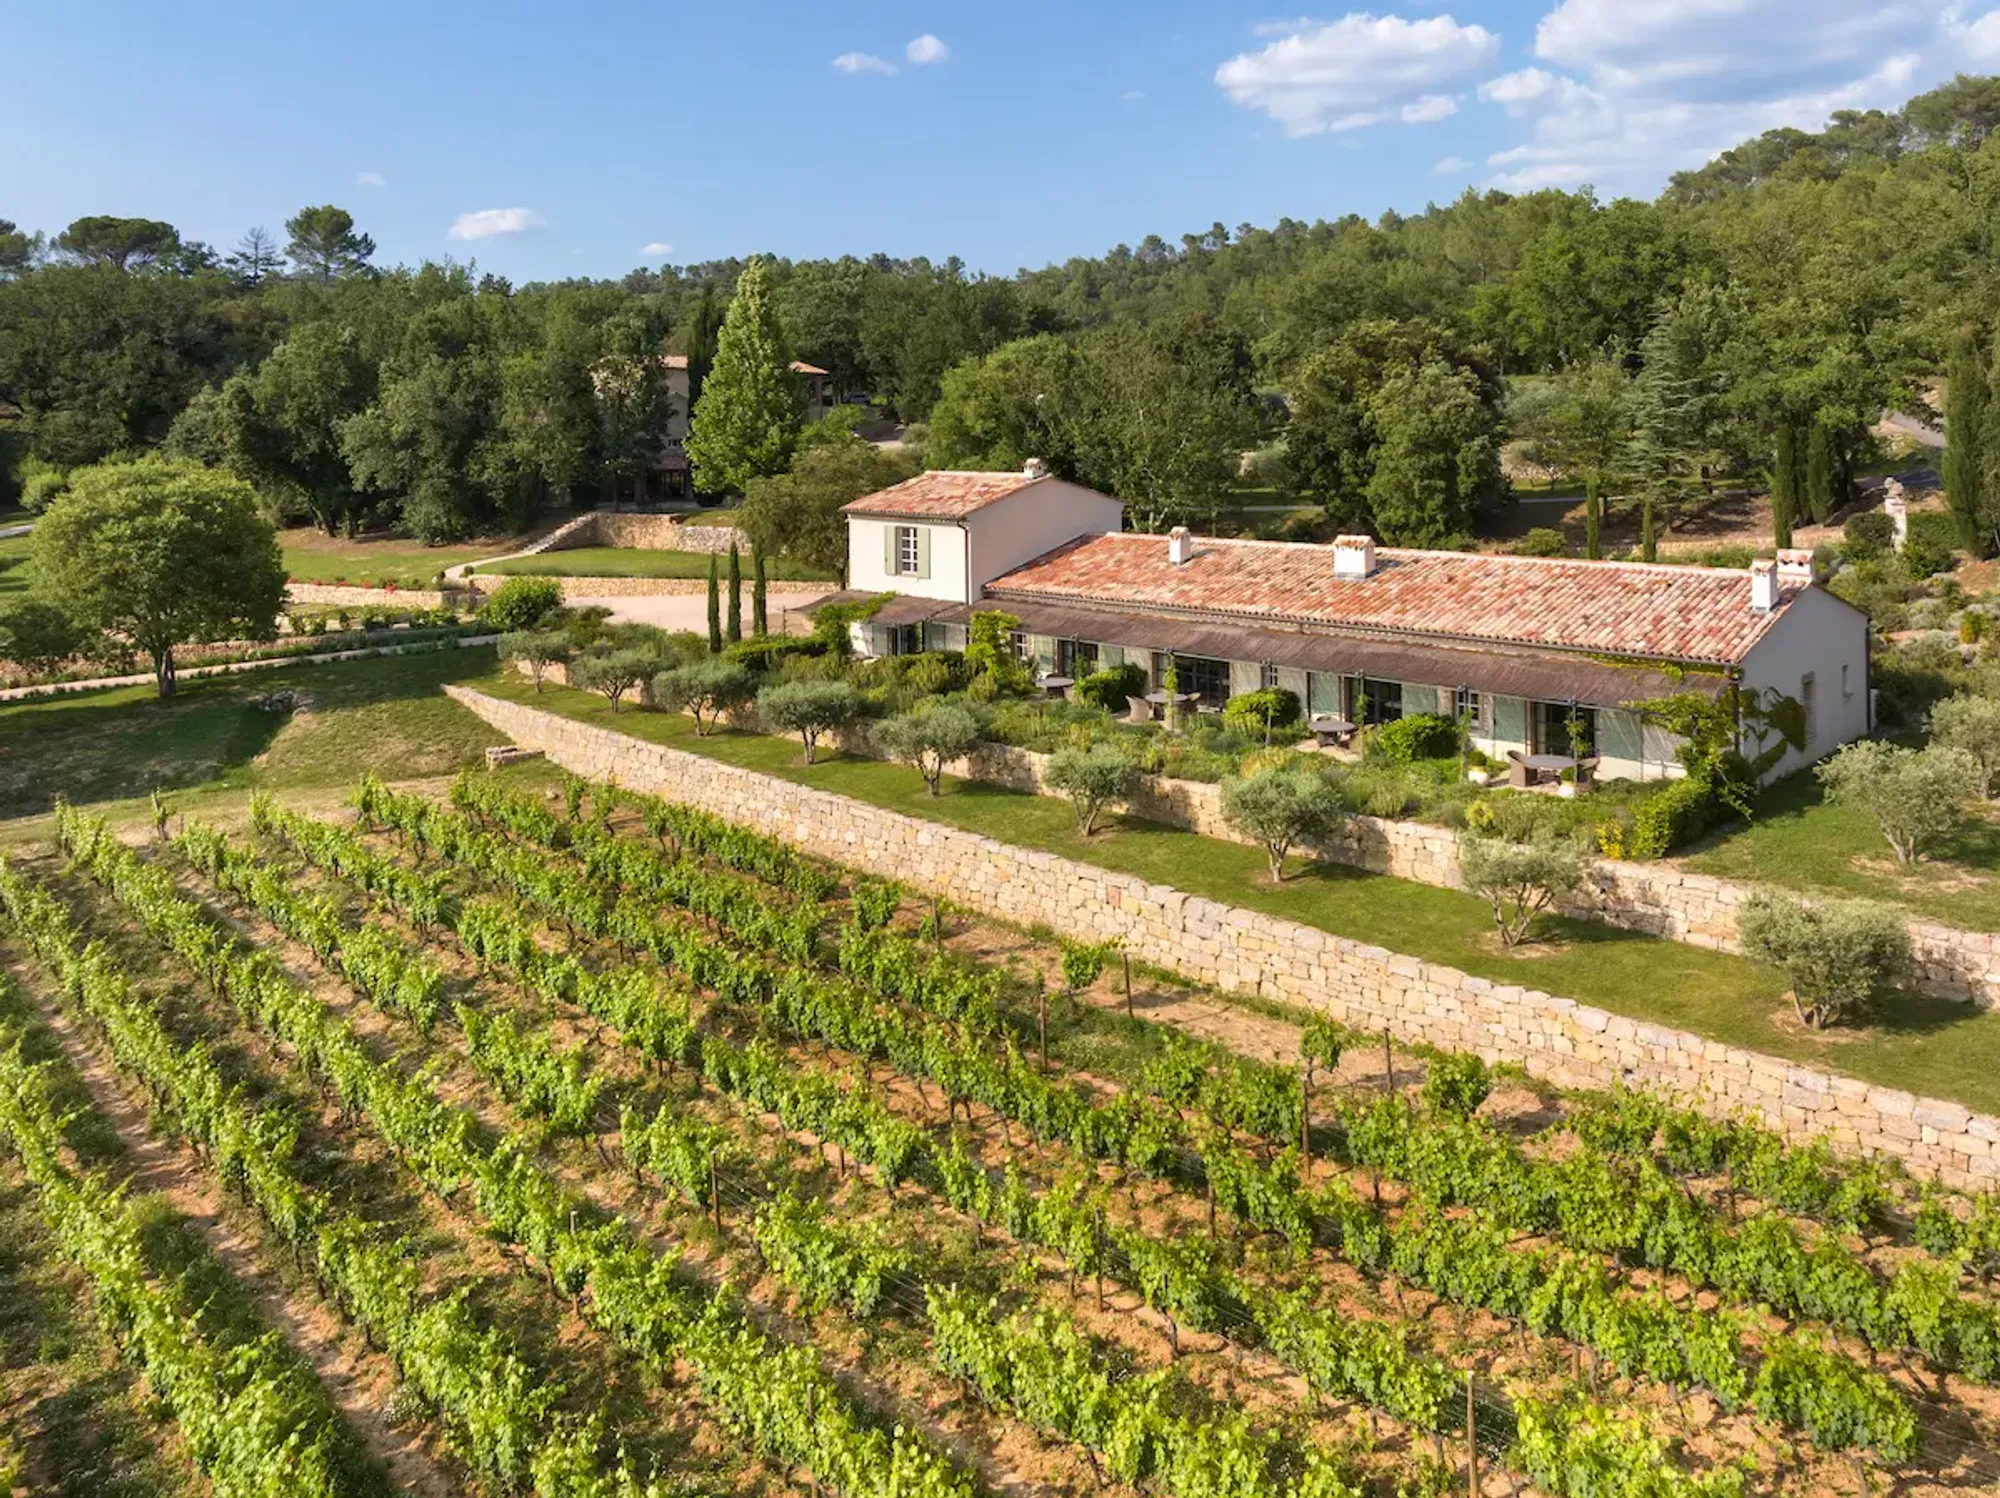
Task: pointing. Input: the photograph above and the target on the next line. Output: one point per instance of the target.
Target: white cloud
(1132, 96)
(854, 63)
(925, 49)
(657, 247)
(1979, 40)
(1451, 166)
(1712, 45)
(1357, 71)
(489, 222)
(1517, 89)
(1429, 108)
(369, 179)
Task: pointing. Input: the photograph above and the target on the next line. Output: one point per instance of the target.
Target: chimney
(1353, 556)
(1034, 468)
(1795, 567)
(1763, 585)
(1180, 546)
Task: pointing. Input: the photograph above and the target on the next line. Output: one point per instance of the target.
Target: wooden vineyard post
(1388, 1060)
(1471, 1440)
(714, 1193)
(1126, 959)
(1042, 1013)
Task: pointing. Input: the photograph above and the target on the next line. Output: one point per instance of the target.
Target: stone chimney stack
(1034, 468)
(1180, 546)
(1353, 556)
(1763, 585)
(1795, 567)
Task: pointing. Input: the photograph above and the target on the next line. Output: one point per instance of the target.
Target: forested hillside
(1774, 301)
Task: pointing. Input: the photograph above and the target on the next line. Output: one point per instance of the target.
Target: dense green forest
(1769, 304)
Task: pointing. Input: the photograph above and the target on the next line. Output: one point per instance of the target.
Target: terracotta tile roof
(799, 366)
(942, 495)
(673, 361)
(1614, 608)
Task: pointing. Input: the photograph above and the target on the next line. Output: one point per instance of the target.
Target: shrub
(1672, 817)
(1261, 713)
(1519, 880)
(1972, 724)
(1110, 687)
(537, 649)
(1869, 535)
(521, 603)
(38, 637)
(1456, 1084)
(989, 656)
(1838, 954)
(1282, 806)
(929, 738)
(707, 688)
(766, 653)
(1924, 557)
(809, 709)
(1419, 736)
(1542, 541)
(1093, 778)
(613, 672)
(1917, 796)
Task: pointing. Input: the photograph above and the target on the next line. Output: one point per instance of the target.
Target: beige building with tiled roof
(1540, 655)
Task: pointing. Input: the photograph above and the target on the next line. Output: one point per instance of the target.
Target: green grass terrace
(1929, 1047)
(618, 561)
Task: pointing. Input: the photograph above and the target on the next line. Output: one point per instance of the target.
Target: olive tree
(1281, 806)
(1838, 953)
(1972, 724)
(1519, 879)
(809, 708)
(1093, 778)
(706, 688)
(1916, 796)
(614, 673)
(161, 553)
(537, 649)
(929, 738)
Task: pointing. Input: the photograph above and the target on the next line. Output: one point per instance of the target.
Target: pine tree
(1816, 490)
(1966, 398)
(714, 610)
(751, 405)
(760, 617)
(1784, 477)
(735, 594)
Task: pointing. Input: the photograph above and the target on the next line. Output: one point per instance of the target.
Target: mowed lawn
(311, 556)
(386, 714)
(618, 561)
(1798, 840)
(14, 565)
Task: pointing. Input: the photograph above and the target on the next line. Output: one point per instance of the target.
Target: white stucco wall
(1816, 633)
(1031, 522)
(867, 560)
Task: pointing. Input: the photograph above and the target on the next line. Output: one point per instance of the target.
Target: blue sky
(545, 141)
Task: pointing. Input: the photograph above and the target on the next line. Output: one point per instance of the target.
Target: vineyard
(607, 1149)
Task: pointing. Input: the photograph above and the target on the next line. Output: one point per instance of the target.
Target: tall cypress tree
(760, 617)
(1816, 491)
(714, 611)
(1593, 518)
(1966, 399)
(735, 594)
(751, 402)
(1784, 481)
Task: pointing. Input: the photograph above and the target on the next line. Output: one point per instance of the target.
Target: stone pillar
(1898, 510)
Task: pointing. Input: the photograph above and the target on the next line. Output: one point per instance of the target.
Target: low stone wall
(645, 533)
(675, 587)
(333, 596)
(1660, 899)
(1367, 987)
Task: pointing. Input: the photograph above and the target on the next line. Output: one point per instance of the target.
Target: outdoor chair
(1138, 710)
(1519, 776)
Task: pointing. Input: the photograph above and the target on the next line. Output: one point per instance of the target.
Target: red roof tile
(1614, 608)
(942, 495)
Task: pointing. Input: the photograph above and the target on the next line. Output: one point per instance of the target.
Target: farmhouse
(1539, 656)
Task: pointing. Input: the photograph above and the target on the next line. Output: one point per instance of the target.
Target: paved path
(1917, 430)
(145, 678)
(9, 532)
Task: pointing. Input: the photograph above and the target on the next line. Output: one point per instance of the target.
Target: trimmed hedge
(1671, 817)
(1417, 736)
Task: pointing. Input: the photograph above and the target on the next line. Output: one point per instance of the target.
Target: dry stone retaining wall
(333, 595)
(1228, 947)
(676, 587)
(644, 533)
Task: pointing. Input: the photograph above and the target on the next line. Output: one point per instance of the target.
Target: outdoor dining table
(1330, 730)
(1180, 699)
(1546, 766)
(1055, 686)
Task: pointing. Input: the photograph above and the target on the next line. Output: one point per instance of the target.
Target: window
(1846, 690)
(1373, 700)
(909, 555)
(1268, 678)
(1474, 709)
(1076, 659)
(906, 639)
(1194, 673)
(1323, 693)
(1554, 733)
(1017, 641)
(1809, 705)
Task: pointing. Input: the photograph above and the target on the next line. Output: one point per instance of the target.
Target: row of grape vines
(1551, 1289)
(255, 1420)
(497, 1407)
(775, 1394)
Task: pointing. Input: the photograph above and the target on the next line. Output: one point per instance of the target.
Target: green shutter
(889, 550)
(923, 551)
